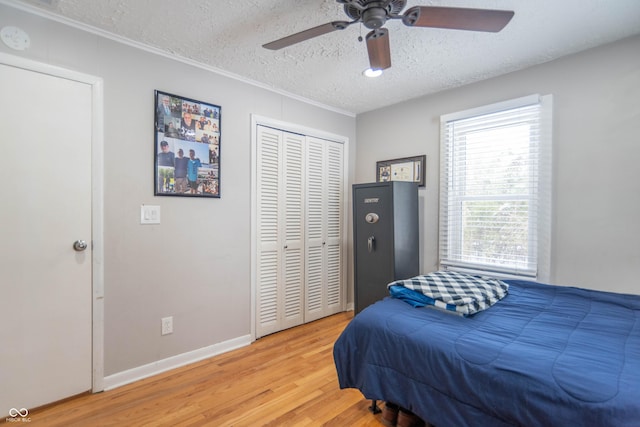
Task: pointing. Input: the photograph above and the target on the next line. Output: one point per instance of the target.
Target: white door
(45, 285)
(268, 153)
(293, 230)
(324, 228)
(299, 222)
(334, 231)
(280, 230)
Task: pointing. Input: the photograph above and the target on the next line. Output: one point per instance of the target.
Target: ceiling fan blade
(307, 34)
(378, 48)
(457, 18)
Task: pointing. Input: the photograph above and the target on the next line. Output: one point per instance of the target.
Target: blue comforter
(543, 356)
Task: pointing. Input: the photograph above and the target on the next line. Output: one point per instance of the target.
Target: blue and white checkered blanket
(451, 291)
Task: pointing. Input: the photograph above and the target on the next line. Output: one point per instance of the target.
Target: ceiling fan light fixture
(370, 72)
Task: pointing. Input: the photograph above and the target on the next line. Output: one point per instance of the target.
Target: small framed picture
(187, 147)
(405, 169)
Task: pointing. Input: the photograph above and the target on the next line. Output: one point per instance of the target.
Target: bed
(541, 356)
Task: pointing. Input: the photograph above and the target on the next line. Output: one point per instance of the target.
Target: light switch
(149, 214)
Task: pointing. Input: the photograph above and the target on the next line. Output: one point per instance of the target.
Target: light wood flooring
(284, 379)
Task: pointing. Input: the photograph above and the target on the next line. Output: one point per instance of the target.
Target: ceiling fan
(375, 13)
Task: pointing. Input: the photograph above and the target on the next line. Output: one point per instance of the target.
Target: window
(495, 194)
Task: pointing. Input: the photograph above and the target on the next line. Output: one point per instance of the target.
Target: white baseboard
(154, 368)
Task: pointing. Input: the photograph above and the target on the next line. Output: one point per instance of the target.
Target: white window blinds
(495, 188)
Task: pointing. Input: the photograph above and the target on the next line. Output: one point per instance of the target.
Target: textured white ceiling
(228, 35)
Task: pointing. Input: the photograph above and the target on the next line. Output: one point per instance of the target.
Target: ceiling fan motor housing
(374, 18)
(373, 13)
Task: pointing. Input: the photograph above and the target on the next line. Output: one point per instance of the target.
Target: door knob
(371, 218)
(79, 245)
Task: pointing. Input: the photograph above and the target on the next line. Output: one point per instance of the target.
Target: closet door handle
(371, 243)
(79, 245)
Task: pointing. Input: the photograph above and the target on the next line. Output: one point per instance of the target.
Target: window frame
(450, 234)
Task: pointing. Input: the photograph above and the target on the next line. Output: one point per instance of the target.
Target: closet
(299, 259)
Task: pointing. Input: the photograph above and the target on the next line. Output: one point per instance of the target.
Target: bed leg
(374, 407)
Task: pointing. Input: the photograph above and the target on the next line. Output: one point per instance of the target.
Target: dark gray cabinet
(386, 241)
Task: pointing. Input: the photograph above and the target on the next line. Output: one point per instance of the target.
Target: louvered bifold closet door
(293, 251)
(280, 230)
(324, 208)
(334, 228)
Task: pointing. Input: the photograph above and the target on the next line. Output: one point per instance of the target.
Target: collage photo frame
(187, 147)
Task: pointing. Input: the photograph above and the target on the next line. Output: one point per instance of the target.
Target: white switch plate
(149, 214)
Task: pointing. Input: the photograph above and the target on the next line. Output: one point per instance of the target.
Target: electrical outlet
(167, 325)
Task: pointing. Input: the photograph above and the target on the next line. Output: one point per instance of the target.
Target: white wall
(596, 203)
(195, 266)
